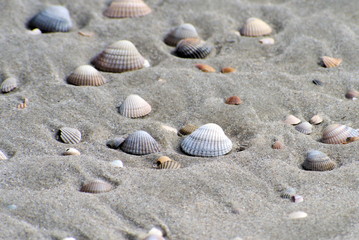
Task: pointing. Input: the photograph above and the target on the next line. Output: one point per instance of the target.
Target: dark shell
(193, 48)
(140, 143)
(52, 19)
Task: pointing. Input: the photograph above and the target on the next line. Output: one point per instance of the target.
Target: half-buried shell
(8, 85)
(187, 129)
(292, 120)
(71, 152)
(86, 75)
(96, 186)
(330, 62)
(316, 119)
(183, 31)
(140, 143)
(255, 27)
(193, 48)
(134, 106)
(318, 161)
(127, 9)
(165, 162)
(339, 134)
(70, 135)
(304, 127)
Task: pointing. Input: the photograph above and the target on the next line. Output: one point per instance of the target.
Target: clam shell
(207, 141)
(304, 127)
(187, 129)
(71, 151)
(278, 145)
(255, 27)
(183, 31)
(318, 161)
(115, 143)
(288, 193)
(2, 155)
(127, 9)
(329, 62)
(192, 48)
(337, 134)
(165, 162)
(52, 19)
(228, 70)
(205, 68)
(86, 75)
(352, 94)
(234, 100)
(70, 135)
(316, 119)
(119, 57)
(96, 186)
(292, 120)
(134, 106)
(8, 85)
(140, 143)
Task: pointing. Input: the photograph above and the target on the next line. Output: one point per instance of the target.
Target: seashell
(192, 48)
(316, 119)
(318, 161)
(52, 19)
(292, 120)
(34, 31)
(187, 129)
(70, 135)
(337, 134)
(288, 193)
(208, 140)
(71, 151)
(86, 75)
(117, 163)
(134, 106)
(278, 145)
(304, 127)
(96, 186)
(352, 94)
(318, 82)
(2, 156)
(255, 27)
(297, 215)
(297, 199)
(267, 41)
(165, 162)
(329, 62)
(119, 57)
(115, 143)
(234, 100)
(140, 143)
(183, 31)
(8, 85)
(127, 9)
(228, 70)
(205, 68)
(86, 34)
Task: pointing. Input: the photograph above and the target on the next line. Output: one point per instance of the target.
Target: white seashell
(297, 215)
(71, 151)
(316, 119)
(34, 31)
(140, 143)
(70, 135)
(183, 31)
(2, 156)
(339, 134)
(304, 127)
(8, 85)
(255, 27)
(208, 140)
(127, 9)
(86, 75)
(134, 106)
(193, 48)
(292, 120)
(267, 41)
(117, 163)
(318, 161)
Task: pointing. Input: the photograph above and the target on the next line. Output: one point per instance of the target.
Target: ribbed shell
(234, 100)
(304, 127)
(127, 9)
(2, 155)
(318, 161)
(255, 27)
(52, 19)
(278, 145)
(292, 120)
(183, 31)
(316, 119)
(70, 135)
(96, 186)
(71, 151)
(140, 143)
(8, 85)
(207, 141)
(337, 134)
(86, 75)
(288, 193)
(329, 62)
(187, 129)
(119, 57)
(134, 106)
(192, 48)
(169, 165)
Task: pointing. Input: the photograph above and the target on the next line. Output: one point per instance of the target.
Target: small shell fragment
(352, 94)
(330, 62)
(267, 41)
(234, 100)
(193, 48)
(86, 34)
(183, 31)
(292, 120)
(127, 9)
(24, 104)
(8, 85)
(205, 68)
(96, 186)
(316, 119)
(115, 143)
(255, 27)
(278, 145)
(297, 215)
(2, 156)
(288, 193)
(134, 107)
(318, 161)
(86, 75)
(187, 129)
(297, 198)
(304, 127)
(70, 135)
(117, 163)
(228, 70)
(71, 151)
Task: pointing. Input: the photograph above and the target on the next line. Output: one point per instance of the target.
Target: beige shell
(183, 31)
(193, 48)
(86, 75)
(71, 152)
(339, 134)
(8, 85)
(316, 119)
(119, 57)
(278, 145)
(96, 186)
(292, 120)
(228, 70)
(70, 135)
(205, 68)
(140, 143)
(329, 62)
(24, 104)
(318, 161)
(187, 129)
(134, 106)
(304, 127)
(165, 162)
(352, 94)
(2, 155)
(255, 27)
(267, 41)
(127, 9)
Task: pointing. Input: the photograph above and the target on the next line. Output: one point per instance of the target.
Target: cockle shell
(52, 19)
(127, 9)
(228, 70)
(234, 100)
(278, 145)
(205, 68)
(86, 75)
(134, 106)
(115, 143)
(292, 120)
(165, 162)
(71, 151)
(183, 31)
(352, 94)
(193, 48)
(187, 129)
(119, 57)
(8, 85)
(304, 127)
(255, 27)
(316, 119)
(140, 143)
(208, 140)
(318, 161)
(337, 134)
(96, 186)
(70, 135)
(2, 155)
(329, 62)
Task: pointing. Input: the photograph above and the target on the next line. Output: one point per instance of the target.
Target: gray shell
(193, 48)
(96, 186)
(304, 127)
(140, 143)
(207, 141)
(318, 161)
(70, 135)
(8, 85)
(52, 19)
(183, 31)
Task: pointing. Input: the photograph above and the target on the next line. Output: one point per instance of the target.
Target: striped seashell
(267, 41)
(187, 129)
(205, 68)
(115, 143)
(228, 70)
(234, 100)
(183, 31)
(2, 155)
(120, 56)
(192, 48)
(140, 143)
(339, 134)
(288, 193)
(278, 145)
(297, 215)
(86, 75)
(318, 161)
(208, 140)
(70, 135)
(329, 62)
(292, 120)
(255, 27)
(8, 85)
(134, 106)
(304, 127)
(52, 19)
(96, 186)
(127, 9)
(352, 94)
(71, 151)
(165, 162)
(316, 119)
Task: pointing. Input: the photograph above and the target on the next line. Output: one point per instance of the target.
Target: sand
(236, 196)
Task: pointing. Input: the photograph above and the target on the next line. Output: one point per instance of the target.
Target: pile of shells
(318, 161)
(96, 186)
(86, 75)
(303, 127)
(70, 135)
(165, 162)
(127, 9)
(140, 143)
(134, 107)
(255, 27)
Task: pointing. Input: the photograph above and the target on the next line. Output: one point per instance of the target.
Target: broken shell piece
(318, 161)
(297, 198)
(234, 100)
(297, 215)
(288, 193)
(8, 85)
(2, 156)
(205, 68)
(255, 27)
(352, 94)
(267, 41)
(70, 135)
(127, 9)
(304, 127)
(117, 163)
(278, 145)
(316, 119)
(187, 129)
(183, 31)
(96, 186)
(228, 70)
(71, 151)
(329, 62)
(165, 162)
(115, 143)
(292, 120)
